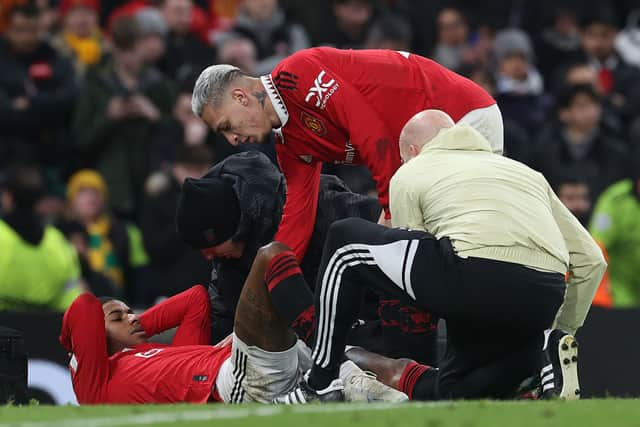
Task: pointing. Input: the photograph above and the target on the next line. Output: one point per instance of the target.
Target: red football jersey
(184, 371)
(348, 107)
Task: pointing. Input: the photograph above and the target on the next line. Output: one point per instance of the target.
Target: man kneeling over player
(494, 269)
(112, 360)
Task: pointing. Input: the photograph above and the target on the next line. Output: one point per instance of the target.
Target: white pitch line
(215, 414)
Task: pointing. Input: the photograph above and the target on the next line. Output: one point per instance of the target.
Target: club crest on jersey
(314, 124)
(321, 90)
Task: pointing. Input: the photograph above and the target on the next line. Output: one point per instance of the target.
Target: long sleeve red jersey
(184, 371)
(348, 107)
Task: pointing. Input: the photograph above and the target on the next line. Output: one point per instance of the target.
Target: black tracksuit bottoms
(496, 312)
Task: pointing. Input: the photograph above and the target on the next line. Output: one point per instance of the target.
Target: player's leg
(266, 353)
(381, 260)
(388, 370)
(272, 300)
(416, 380)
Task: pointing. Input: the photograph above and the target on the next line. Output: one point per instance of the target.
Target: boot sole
(568, 355)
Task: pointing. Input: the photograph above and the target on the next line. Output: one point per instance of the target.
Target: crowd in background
(97, 133)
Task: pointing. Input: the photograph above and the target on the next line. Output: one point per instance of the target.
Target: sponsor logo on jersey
(322, 90)
(349, 155)
(149, 353)
(313, 123)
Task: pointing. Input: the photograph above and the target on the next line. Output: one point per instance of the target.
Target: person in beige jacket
(484, 242)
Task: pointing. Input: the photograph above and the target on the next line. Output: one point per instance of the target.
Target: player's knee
(341, 231)
(267, 252)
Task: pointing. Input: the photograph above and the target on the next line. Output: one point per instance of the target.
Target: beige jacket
(496, 208)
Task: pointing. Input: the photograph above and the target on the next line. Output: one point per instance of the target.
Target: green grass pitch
(605, 412)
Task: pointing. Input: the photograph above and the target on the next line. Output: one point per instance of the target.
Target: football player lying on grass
(112, 360)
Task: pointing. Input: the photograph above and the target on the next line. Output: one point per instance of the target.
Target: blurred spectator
(153, 30)
(5, 7)
(583, 73)
(174, 265)
(238, 51)
(80, 38)
(616, 223)
(264, 23)
(573, 191)
(558, 43)
(118, 114)
(519, 85)
(98, 283)
(185, 129)
(186, 53)
(39, 267)
(517, 142)
(49, 16)
(224, 12)
(37, 91)
(352, 19)
(453, 38)
(115, 247)
(577, 141)
(627, 42)
(618, 80)
(390, 32)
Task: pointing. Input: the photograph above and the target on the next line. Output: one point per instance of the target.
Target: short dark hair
(390, 27)
(603, 15)
(125, 32)
(569, 94)
(29, 9)
(571, 176)
(26, 185)
(366, 2)
(104, 300)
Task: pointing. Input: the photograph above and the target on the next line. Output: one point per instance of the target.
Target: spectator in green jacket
(121, 107)
(616, 223)
(38, 268)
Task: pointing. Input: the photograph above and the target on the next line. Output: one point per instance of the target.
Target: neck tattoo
(260, 96)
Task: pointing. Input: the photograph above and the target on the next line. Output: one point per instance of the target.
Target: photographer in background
(118, 114)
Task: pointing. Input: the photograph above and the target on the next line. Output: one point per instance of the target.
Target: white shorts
(254, 375)
(487, 121)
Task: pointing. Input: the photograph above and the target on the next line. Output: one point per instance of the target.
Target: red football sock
(412, 372)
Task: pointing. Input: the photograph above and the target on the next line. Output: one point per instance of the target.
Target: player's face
(241, 118)
(227, 249)
(122, 326)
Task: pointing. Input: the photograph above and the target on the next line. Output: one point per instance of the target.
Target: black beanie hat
(208, 212)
